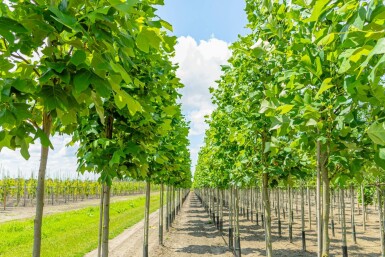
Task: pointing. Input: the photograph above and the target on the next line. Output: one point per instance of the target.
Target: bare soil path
(193, 234)
(17, 213)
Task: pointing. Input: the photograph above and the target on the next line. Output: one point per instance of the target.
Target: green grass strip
(72, 233)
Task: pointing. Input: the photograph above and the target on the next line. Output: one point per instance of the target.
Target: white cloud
(199, 68)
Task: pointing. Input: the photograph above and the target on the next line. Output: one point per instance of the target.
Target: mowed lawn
(72, 233)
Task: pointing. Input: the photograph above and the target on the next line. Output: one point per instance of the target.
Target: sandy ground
(193, 234)
(16, 213)
(253, 244)
(130, 242)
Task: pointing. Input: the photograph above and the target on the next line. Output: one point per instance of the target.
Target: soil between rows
(193, 234)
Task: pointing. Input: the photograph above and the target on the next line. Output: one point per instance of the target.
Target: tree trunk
(38, 221)
(231, 226)
(161, 215)
(353, 225)
(290, 214)
(146, 220)
(381, 219)
(303, 219)
(106, 222)
(100, 222)
(266, 205)
(318, 201)
(279, 215)
(309, 206)
(363, 207)
(325, 211)
(237, 234)
(343, 225)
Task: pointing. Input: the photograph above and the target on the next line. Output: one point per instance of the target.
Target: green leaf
(379, 48)
(376, 132)
(24, 150)
(171, 110)
(329, 38)
(116, 157)
(147, 38)
(101, 86)
(7, 118)
(318, 9)
(166, 25)
(98, 106)
(78, 57)
(12, 25)
(120, 70)
(82, 80)
(285, 108)
(44, 140)
(119, 101)
(123, 6)
(65, 19)
(54, 97)
(324, 86)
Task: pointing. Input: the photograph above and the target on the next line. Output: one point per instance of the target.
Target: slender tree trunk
(332, 212)
(326, 211)
(231, 226)
(146, 219)
(167, 208)
(237, 242)
(363, 207)
(279, 215)
(100, 222)
(318, 201)
(343, 225)
(353, 225)
(161, 215)
(38, 221)
(106, 222)
(290, 214)
(303, 219)
(266, 205)
(309, 206)
(381, 219)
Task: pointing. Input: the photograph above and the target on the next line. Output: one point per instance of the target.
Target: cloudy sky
(204, 28)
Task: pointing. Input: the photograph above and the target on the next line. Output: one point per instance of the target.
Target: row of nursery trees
(99, 71)
(301, 99)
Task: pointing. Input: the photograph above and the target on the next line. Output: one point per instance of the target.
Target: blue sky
(205, 29)
(202, 19)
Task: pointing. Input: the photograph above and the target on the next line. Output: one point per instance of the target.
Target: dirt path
(17, 213)
(130, 242)
(192, 234)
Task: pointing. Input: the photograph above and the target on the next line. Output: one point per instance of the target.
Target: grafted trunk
(279, 215)
(266, 205)
(38, 221)
(363, 207)
(353, 225)
(290, 215)
(318, 201)
(326, 211)
(237, 240)
(146, 219)
(161, 205)
(106, 222)
(231, 226)
(303, 219)
(343, 224)
(100, 221)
